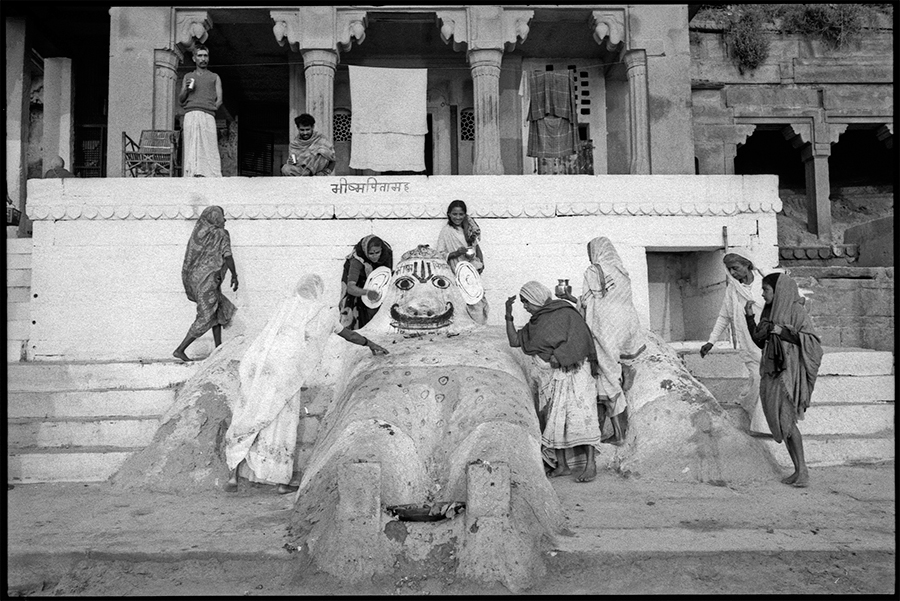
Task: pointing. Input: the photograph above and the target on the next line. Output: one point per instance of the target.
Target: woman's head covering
(361, 253)
(213, 215)
(604, 259)
(771, 280)
(536, 293)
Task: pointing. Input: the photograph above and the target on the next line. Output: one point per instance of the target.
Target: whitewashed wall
(106, 279)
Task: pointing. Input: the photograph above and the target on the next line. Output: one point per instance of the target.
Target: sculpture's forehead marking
(422, 270)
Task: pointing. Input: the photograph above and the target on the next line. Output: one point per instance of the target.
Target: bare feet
(559, 471)
(790, 479)
(589, 473)
(284, 489)
(802, 480)
(180, 355)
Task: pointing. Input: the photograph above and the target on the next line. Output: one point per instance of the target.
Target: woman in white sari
(743, 275)
(263, 430)
(460, 240)
(608, 308)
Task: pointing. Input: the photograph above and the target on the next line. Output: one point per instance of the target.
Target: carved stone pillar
(165, 75)
(296, 91)
(485, 65)
(319, 67)
(818, 205)
(638, 108)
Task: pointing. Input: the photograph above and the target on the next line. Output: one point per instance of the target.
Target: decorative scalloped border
(397, 211)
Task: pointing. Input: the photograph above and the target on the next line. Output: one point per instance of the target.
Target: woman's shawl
(451, 238)
(206, 251)
(360, 254)
(797, 364)
(608, 308)
(278, 363)
(557, 328)
(607, 302)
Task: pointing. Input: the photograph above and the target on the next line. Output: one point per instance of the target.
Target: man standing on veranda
(201, 95)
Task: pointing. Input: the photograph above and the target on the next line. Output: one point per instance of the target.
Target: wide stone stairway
(79, 421)
(851, 415)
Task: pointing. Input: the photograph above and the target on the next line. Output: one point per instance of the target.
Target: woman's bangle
(366, 343)
(509, 318)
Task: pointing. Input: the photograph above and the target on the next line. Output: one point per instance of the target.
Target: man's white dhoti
(201, 145)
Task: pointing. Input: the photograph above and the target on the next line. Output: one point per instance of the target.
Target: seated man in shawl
(311, 153)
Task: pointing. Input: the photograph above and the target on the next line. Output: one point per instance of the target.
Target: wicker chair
(155, 156)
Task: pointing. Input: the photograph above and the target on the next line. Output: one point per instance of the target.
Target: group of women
(581, 348)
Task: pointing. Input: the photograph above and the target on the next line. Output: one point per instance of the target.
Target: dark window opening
(767, 151)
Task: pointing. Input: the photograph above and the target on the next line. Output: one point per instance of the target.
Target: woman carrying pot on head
(565, 362)
(791, 356)
(743, 284)
(460, 239)
(369, 253)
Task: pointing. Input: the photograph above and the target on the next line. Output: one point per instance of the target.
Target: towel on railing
(553, 116)
(389, 118)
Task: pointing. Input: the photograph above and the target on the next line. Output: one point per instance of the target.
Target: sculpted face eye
(405, 283)
(440, 281)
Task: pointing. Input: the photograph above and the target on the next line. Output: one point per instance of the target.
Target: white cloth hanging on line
(389, 118)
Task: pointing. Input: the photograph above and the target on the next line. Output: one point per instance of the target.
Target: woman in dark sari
(565, 363)
(207, 257)
(791, 355)
(368, 254)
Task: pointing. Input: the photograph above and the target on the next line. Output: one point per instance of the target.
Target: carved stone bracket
(191, 28)
(287, 27)
(798, 134)
(484, 27)
(307, 28)
(608, 25)
(351, 25)
(835, 130)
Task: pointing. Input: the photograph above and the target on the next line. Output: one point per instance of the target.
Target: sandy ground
(624, 536)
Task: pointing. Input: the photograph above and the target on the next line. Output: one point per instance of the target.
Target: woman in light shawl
(608, 309)
(263, 430)
(562, 351)
(457, 237)
(207, 257)
(791, 356)
(369, 253)
(743, 284)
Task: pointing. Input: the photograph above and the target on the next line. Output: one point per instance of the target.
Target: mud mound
(678, 432)
(187, 452)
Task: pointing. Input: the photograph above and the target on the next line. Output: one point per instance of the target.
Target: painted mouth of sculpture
(422, 322)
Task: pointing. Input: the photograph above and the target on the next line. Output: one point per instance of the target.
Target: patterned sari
(203, 269)
(357, 267)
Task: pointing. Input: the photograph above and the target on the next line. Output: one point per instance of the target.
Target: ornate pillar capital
(319, 28)
(191, 28)
(635, 59)
(608, 28)
(484, 27)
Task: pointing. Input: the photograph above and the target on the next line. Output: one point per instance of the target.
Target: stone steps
(850, 419)
(18, 295)
(78, 422)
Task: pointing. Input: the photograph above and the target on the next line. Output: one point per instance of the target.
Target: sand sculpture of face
(423, 295)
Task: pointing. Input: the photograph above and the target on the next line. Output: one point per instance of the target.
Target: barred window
(467, 125)
(341, 125)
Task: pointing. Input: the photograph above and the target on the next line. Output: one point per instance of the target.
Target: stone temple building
(671, 134)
